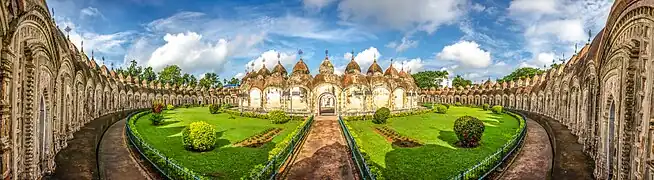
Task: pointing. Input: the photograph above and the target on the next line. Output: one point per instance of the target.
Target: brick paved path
(116, 162)
(324, 154)
(535, 158)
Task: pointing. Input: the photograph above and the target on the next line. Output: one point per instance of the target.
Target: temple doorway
(327, 104)
(611, 150)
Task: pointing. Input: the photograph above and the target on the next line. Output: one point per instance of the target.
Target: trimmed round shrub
(278, 117)
(446, 105)
(199, 136)
(226, 106)
(485, 107)
(441, 109)
(214, 109)
(170, 107)
(458, 104)
(468, 130)
(381, 115)
(497, 109)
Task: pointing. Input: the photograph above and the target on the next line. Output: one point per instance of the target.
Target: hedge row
(393, 115)
(375, 169)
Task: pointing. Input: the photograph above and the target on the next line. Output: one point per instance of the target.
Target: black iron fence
(357, 156)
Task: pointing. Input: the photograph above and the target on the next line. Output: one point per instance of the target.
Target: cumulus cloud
(103, 44)
(239, 75)
(403, 45)
(366, 57)
(466, 53)
(553, 25)
(418, 15)
(270, 58)
(411, 65)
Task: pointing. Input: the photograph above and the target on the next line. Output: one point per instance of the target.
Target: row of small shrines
(50, 89)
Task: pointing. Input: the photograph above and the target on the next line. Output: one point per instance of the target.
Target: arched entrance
(327, 104)
(42, 135)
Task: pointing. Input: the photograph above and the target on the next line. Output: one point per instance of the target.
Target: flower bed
(397, 138)
(259, 139)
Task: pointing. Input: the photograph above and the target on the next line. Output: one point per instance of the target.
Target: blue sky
(477, 39)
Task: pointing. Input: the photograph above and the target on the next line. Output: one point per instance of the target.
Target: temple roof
(279, 68)
(300, 67)
(326, 67)
(390, 71)
(374, 68)
(352, 67)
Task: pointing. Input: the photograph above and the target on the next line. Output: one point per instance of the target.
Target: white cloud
(239, 75)
(417, 15)
(412, 65)
(570, 30)
(366, 57)
(403, 45)
(467, 53)
(536, 7)
(316, 4)
(108, 44)
(478, 7)
(192, 53)
(270, 56)
(91, 12)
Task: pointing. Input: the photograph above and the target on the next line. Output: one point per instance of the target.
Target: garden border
(358, 158)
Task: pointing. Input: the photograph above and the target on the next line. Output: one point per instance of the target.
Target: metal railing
(357, 157)
(484, 168)
(273, 166)
(163, 165)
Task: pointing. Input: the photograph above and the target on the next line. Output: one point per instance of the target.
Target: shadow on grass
(167, 121)
(449, 137)
(230, 162)
(420, 162)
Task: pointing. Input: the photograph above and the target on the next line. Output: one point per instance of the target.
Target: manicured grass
(439, 157)
(223, 162)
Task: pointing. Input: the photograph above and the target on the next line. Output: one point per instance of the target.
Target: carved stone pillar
(6, 130)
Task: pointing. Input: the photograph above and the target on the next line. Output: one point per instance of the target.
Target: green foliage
(458, 104)
(199, 136)
(133, 70)
(485, 107)
(157, 119)
(157, 107)
(232, 81)
(459, 81)
(170, 107)
(188, 79)
(381, 115)
(214, 109)
(441, 109)
(148, 74)
(497, 109)
(446, 105)
(522, 73)
(226, 106)
(468, 130)
(171, 74)
(278, 117)
(210, 80)
(427, 79)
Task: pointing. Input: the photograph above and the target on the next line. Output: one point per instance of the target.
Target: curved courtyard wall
(50, 89)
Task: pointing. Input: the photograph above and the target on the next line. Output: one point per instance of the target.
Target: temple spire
(82, 45)
(92, 55)
(589, 36)
(575, 48)
(279, 58)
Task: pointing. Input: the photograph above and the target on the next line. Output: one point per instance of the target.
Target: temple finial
(279, 58)
(326, 53)
(92, 54)
(575, 48)
(589, 35)
(352, 54)
(82, 45)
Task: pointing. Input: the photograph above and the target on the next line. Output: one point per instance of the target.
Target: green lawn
(223, 162)
(438, 158)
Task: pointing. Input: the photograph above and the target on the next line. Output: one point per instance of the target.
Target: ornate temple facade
(326, 92)
(49, 89)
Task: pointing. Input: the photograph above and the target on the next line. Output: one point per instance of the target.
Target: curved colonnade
(49, 89)
(603, 94)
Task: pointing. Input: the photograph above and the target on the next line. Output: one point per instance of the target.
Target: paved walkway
(324, 154)
(79, 159)
(116, 162)
(570, 162)
(535, 158)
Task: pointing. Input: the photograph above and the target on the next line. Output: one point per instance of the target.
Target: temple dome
(279, 69)
(352, 67)
(300, 67)
(374, 68)
(326, 67)
(264, 71)
(391, 71)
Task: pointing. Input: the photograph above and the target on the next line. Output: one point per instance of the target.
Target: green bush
(157, 107)
(214, 109)
(458, 104)
(497, 109)
(170, 107)
(226, 106)
(441, 109)
(199, 136)
(278, 117)
(157, 119)
(446, 105)
(485, 107)
(381, 115)
(468, 130)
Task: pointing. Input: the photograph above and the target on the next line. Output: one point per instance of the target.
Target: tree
(555, 66)
(233, 81)
(171, 74)
(148, 74)
(459, 81)
(192, 81)
(120, 71)
(210, 80)
(134, 70)
(427, 79)
(521, 73)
